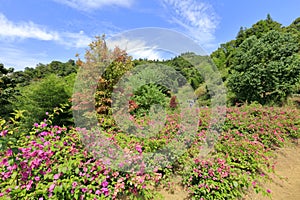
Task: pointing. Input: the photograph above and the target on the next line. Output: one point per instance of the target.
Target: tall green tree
(7, 91)
(265, 69)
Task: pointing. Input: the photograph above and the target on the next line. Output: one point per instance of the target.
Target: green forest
(43, 154)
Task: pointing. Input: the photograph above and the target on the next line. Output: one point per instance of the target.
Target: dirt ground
(285, 184)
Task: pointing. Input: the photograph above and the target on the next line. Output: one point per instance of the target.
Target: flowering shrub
(51, 162)
(242, 154)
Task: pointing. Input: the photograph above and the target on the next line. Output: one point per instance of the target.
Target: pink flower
(268, 191)
(98, 192)
(56, 176)
(74, 184)
(254, 184)
(138, 148)
(3, 133)
(51, 188)
(28, 186)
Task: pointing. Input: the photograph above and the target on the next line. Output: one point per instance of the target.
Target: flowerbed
(51, 162)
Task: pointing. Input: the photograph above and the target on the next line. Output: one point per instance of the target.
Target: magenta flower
(104, 184)
(44, 125)
(105, 191)
(84, 190)
(138, 148)
(268, 191)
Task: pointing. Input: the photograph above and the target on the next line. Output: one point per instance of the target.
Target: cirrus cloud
(89, 5)
(196, 18)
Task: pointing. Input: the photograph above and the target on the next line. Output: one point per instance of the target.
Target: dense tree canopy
(260, 64)
(265, 69)
(43, 96)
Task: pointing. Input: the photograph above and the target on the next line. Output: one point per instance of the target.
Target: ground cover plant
(50, 162)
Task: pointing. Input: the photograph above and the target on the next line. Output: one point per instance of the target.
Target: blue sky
(39, 31)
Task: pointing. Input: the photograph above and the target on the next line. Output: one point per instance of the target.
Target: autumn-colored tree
(97, 74)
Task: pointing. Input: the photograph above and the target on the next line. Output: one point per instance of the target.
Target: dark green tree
(265, 69)
(7, 91)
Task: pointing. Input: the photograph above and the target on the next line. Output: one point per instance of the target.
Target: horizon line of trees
(262, 64)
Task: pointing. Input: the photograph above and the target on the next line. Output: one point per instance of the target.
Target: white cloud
(136, 48)
(198, 19)
(88, 5)
(24, 30)
(29, 30)
(77, 40)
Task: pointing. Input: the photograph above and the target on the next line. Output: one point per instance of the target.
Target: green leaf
(235, 184)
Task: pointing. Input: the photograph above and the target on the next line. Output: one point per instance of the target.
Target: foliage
(41, 97)
(147, 96)
(226, 55)
(101, 69)
(51, 162)
(7, 91)
(192, 75)
(242, 156)
(265, 69)
(41, 71)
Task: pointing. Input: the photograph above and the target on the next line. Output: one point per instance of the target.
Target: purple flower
(268, 191)
(105, 191)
